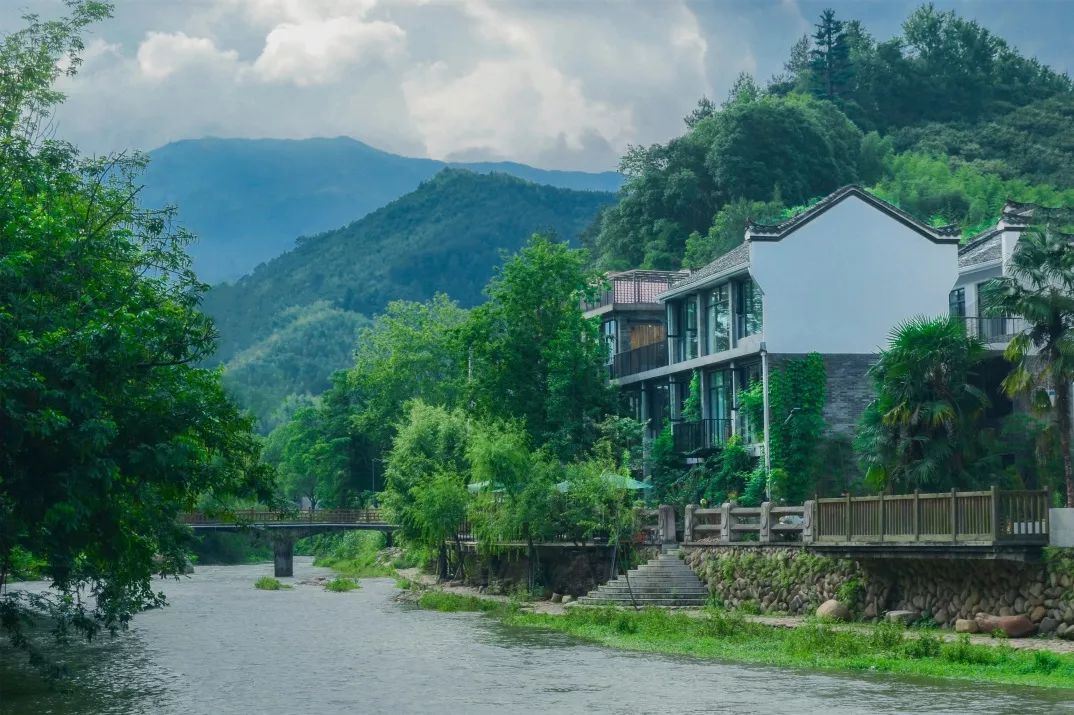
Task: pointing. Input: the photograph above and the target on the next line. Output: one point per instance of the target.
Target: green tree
(829, 60)
(1039, 287)
(532, 354)
(431, 442)
(923, 429)
(107, 427)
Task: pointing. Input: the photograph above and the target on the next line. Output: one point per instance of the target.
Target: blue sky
(553, 83)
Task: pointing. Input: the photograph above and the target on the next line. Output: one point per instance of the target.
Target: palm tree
(922, 430)
(1039, 287)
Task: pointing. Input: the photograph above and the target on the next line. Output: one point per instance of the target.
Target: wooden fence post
(954, 514)
(917, 515)
(764, 533)
(688, 523)
(883, 517)
(995, 514)
(849, 525)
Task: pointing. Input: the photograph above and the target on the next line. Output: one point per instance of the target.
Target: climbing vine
(797, 393)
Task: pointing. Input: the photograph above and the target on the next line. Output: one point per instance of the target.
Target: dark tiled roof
(1020, 213)
(738, 257)
(774, 232)
(982, 248)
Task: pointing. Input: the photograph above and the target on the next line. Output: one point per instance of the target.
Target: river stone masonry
(792, 580)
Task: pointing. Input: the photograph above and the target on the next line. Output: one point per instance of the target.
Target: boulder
(568, 599)
(1038, 614)
(1012, 626)
(833, 610)
(1047, 625)
(965, 625)
(557, 598)
(1065, 631)
(903, 617)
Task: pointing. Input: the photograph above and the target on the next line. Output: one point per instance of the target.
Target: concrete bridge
(283, 528)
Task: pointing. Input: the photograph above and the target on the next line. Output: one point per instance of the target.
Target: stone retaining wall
(796, 581)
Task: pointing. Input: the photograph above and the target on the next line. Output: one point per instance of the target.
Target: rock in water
(833, 610)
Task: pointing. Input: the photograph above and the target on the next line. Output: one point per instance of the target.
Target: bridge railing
(730, 523)
(300, 516)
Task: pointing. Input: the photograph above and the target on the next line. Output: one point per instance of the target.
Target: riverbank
(804, 643)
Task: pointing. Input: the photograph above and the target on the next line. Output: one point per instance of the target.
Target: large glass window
(682, 329)
(747, 375)
(989, 326)
(956, 303)
(719, 406)
(689, 328)
(748, 308)
(718, 319)
(610, 331)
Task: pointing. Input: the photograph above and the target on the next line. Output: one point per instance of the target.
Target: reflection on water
(224, 647)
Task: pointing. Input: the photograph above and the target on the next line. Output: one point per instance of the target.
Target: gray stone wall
(849, 388)
(794, 580)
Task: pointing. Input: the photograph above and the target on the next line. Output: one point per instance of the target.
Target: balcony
(993, 330)
(700, 436)
(635, 288)
(647, 357)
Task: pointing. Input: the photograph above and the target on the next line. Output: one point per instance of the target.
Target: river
(223, 647)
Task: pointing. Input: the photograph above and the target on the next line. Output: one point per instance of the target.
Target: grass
(267, 583)
(730, 636)
(341, 584)
(454, 603)
(352, 554)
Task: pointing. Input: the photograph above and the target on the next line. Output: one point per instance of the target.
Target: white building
(835, 280)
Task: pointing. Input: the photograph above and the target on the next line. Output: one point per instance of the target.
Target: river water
(223, 647)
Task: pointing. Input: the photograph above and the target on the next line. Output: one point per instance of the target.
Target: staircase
(663, 581)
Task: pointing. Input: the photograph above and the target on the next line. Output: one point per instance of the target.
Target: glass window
(718, 320)
(689, 327)
(989, 325)
(748, 309)
(746, 376)
(609, 330)
(956, 303)
(719, 406)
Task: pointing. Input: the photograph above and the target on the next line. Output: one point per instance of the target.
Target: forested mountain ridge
(248, 199)
(945, 120)
(448, 236)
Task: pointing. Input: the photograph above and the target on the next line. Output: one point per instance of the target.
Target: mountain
(448, 236)
(247, 199)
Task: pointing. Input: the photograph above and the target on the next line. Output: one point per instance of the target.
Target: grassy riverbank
(721, 635)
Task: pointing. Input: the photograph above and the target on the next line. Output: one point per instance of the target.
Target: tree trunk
(442, 565)
(1062, 423)
(461, 572)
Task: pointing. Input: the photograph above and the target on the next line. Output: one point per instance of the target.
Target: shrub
(817, 639)
(926, 646)
(850, 592)
(1044, 662)
(453, 602)
(341, 585)
(887, 636)
(267, 583)
(962, 651)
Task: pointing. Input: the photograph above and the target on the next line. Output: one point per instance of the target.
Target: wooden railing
(995, 516)
(302, 516)
(730, 523)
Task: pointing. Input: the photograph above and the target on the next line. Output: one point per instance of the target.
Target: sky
(553, 83)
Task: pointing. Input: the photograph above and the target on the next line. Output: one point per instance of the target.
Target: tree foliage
(107, 428)
(923, 429)
(1039, 287)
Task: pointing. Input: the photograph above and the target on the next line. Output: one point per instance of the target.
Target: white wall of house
(841, 282)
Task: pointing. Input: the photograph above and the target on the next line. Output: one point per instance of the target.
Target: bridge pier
(283, 556)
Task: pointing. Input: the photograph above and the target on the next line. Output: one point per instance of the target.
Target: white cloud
(163, 54)
(324, 51)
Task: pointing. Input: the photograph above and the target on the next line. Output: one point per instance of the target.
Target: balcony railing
(993, 330)
(692, 437)
(635, 287)
(647, 357)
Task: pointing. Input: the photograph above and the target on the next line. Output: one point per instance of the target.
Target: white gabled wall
(841, 282)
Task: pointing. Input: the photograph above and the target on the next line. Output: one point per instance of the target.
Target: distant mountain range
(292, 322)
(248, 199)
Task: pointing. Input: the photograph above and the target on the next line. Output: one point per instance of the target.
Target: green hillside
(247, 199)
(446, 237)
(945, 120)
